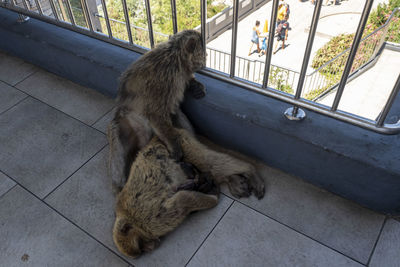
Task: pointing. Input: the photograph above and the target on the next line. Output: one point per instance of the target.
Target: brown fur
(152, 203)
(150, 93)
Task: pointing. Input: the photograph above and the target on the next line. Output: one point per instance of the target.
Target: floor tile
(86, 199)
(9, 96)
(43, 146)
(387, 251)
(13, 69)
(323, 216)
(32, 234)
(80, 102)
(5, 184)
(245, 237)
(102, 124)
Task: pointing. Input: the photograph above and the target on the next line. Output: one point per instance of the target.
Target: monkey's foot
(239, 186)
(242, 185)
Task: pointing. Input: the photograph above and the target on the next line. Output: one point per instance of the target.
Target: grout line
(303, 234)
(31, 74)
(70, 221)
(1, 113)
(377, 240)
(5, 193)
(102, 116)
(69, 176)
(68, 115)
(223, 215)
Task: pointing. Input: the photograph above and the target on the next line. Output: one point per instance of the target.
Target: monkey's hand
(196, 89)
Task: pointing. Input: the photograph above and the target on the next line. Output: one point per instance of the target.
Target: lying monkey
(157, 196)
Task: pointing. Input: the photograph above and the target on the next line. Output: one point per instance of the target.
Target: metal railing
(327, 77)
(236, 65)
(280, 78)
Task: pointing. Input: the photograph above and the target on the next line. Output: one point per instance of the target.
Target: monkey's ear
(191, 45)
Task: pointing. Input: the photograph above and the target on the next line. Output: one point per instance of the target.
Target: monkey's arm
(189, 201)
(196, 88)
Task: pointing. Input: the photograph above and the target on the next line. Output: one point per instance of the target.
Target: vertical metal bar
(149, 23)
(353, 51)
(174, 20)
(103, 3)
(25, 4)
(307, 53)
(39, 7)
(203, 9)
(272, 24)
(62, 9)
(215, 59)
(71, 15)
(259, 72)
(254, 72)
(389, 103)
(128, 24)
(87, 15)
(235, 21)
(219, 60)
(54, 10)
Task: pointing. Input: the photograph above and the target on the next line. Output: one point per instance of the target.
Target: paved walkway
(334, 19)
(367, 94)
(56, 205)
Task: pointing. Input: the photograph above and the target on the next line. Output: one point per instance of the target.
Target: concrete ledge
(355, 163)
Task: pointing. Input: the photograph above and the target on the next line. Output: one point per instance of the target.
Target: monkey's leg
(181, 121)
(189, 201)
(241, 177)
(127, 134)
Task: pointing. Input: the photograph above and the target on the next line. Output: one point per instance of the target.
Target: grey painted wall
(350, 161)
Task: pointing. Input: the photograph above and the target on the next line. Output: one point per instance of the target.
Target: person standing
(281, 33)
(255, 37)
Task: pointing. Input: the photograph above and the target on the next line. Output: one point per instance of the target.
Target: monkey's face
(129, 239)
(192, 50)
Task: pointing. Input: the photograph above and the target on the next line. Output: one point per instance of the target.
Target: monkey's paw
(239, 186)
(197, 89)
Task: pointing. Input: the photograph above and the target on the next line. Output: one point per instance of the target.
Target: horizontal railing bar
(132, 26)
(364, 123)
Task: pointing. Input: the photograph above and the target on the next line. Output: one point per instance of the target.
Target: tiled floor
(56, 205)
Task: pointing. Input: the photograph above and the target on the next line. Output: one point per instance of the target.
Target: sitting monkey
(155, 199)
(149, 95)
